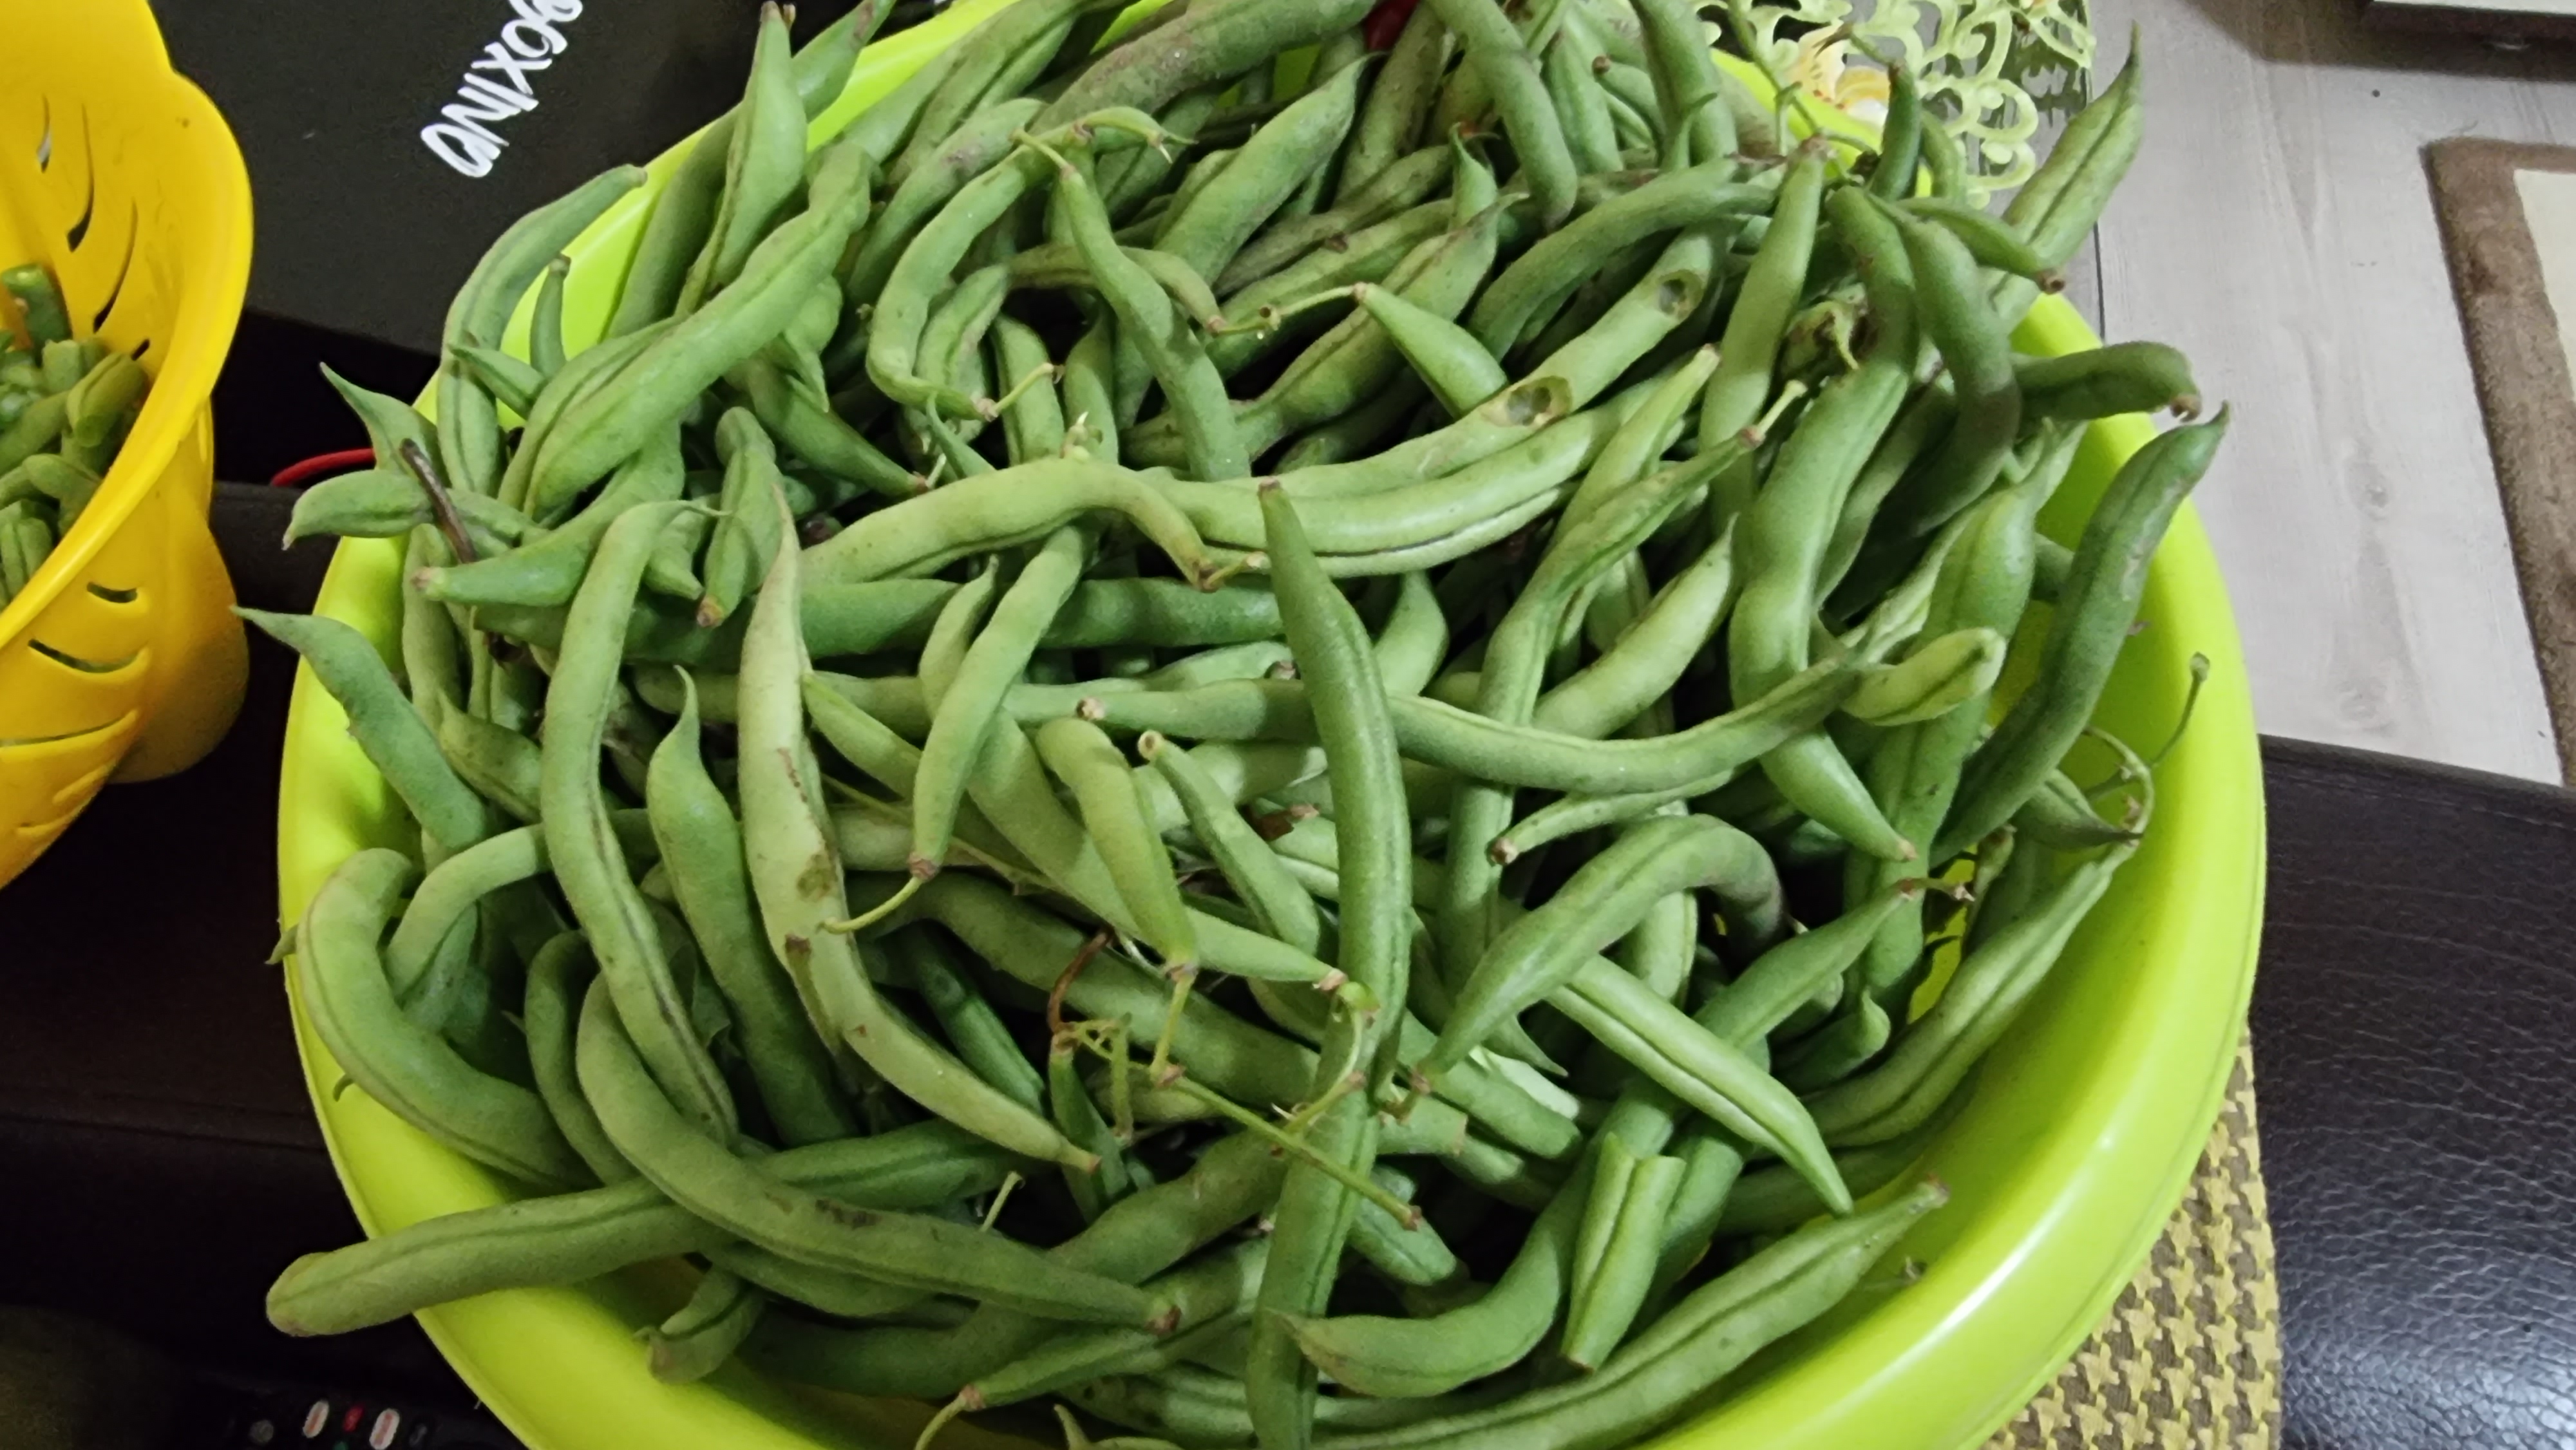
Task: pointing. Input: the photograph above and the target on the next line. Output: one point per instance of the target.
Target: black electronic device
(388, 144)
(227, 1413)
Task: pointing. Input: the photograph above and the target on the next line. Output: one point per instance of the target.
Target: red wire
(1386, 22)
(296, 474)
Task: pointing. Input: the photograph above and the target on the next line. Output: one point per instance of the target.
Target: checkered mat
(2190, 1356)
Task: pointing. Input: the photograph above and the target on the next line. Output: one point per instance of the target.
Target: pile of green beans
(1291, 745)
(66, 404)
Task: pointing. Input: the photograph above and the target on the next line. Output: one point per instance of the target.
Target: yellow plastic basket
(121, 659)
(2063, 1166)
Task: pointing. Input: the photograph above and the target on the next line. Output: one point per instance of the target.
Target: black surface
(361, 228)
(2415, 1071)
(2414, 1027)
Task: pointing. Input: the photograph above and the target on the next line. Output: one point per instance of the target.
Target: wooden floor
(2279, 228)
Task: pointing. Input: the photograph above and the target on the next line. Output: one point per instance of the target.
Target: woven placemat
(2190, 1356)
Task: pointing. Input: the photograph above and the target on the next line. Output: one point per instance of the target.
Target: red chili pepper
(1386, 22)
(295, 474)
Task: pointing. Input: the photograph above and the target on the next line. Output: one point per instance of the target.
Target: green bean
(1839, 1048)
(469, 431)
(1574, 814)
(749, 516)
(697, 1339)
(1788, 525)
(2056, 209)
(1704, 1070)
(549, 568)
(1774, 1200)
(545, 325)
(1993, 981)
(702, 850)
(1749, 353)
(1311, 1222)
(1404, 184)
(582, 375)
(1398, 102)
(904, 1249)
(1988, 238)
(1419, 1358)
(1213, 41)
(1221, 1050)
(1034, 424)
(1470, 744)
(1580, 104)
(1686, 79)
(2123, 377)
(1918, 427)
(1130, 180)
(1360, 354)
(1533, 285)
(397, 741)
(1983, 583)
(1368, 255)
(1416, 1255)
(447, 895)
(40, 301)
(992, 71)
(659, 382)
(2060, 816)
(1608, 1293)
(1404, 517)
(1090, 392)
(1900, 137)
(1134, 1239)
(406, 1067)
(804, 424)
(796, 879)
(1446, 356)
(1650, 658)
(674, 567)
(571, 1237)
(972, 149)
(1607, 897)
(2091, 622)
(1202, 1408)
(1945, 163)
(969, 705)
(935, 250)
(512, 383)
(1218, 1288)
(1077, 753)
(1210, 228)
(1148, 320)
(574, 816)
(1936, 677)
(1977, 349)
(1654, 1376)
(1496, 53)
(764, 166)
(35, 430)
(1279, 905)
(1076, 1116)
(994, 511)
(500, 764)
(968, 1021)
(684, 210)
(549, 1013)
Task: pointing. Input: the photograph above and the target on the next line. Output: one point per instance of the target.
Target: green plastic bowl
(2080, 1136)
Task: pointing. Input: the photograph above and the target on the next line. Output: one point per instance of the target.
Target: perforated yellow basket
(121, 659)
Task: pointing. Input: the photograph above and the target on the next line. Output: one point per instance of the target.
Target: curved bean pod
(409, 1068)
